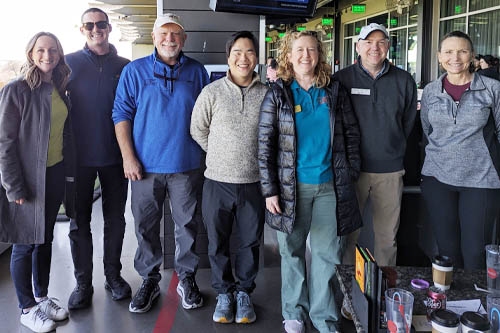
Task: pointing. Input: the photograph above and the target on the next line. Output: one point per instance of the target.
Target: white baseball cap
(167, 18)
(368, 29)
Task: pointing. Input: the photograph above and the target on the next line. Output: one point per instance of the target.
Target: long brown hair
(31, 73)
(285, 72)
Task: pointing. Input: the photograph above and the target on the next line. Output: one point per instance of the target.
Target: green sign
(394, 21)
(327, 21)
(269, 39)
(329, 35)
(281, 34)
(358, 30)
(358, 8)
(301, 28)
(458, 9)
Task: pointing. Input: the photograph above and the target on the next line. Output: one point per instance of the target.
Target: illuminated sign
(281, 34)
(327, 21)
(394, 21)
(358, 8)
(458, 9)
(269, 39)
(301, 28)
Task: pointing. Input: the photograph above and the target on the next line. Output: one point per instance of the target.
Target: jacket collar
(477, 82)
(385, 68)
(255, 79)
(89, 52)
(181, 59)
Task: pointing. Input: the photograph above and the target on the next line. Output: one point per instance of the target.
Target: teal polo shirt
(312, 123)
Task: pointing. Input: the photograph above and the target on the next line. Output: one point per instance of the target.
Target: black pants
(33, 261)
(114, 196)
(222, 204)
(462, 220)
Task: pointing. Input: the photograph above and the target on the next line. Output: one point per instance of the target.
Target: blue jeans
(29, 261)
(315, 215)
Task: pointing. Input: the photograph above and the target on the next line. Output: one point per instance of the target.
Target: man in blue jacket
(95, 73)
(152, 115)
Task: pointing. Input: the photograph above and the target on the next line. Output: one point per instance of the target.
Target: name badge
(298, 108)
(359, 91)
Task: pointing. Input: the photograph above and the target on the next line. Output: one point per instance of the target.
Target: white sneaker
(37, 321)
(294, 326)
(53, 310)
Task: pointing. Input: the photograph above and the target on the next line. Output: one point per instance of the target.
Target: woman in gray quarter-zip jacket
(460, 177)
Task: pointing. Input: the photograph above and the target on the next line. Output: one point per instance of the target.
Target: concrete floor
(106, 315)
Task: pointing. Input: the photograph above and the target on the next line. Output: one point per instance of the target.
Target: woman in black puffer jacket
(309, 162)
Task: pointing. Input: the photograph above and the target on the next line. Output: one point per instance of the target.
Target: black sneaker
(81, 297)
(119, 288)
(144, 297)
(189, 292)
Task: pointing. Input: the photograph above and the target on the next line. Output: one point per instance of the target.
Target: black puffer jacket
(278, 155)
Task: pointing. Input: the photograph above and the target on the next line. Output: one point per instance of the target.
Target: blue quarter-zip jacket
(92, 88)
(158, 100)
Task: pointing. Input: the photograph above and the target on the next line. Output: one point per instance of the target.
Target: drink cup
(442, 272)
(473, 322)
(444, 321)
(398, 310)
(493, 268)
(493, 307)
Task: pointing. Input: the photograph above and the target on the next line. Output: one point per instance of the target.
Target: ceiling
(135, 18)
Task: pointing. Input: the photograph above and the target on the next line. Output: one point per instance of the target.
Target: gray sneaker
(244, 309)
(224, 312)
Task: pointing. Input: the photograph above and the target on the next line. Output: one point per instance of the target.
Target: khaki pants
(385, 191)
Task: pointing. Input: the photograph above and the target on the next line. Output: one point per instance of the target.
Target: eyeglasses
(90, 25)
(165, 77)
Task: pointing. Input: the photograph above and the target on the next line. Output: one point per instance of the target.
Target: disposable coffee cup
(444, 321)
(442, 272)
(473, 322)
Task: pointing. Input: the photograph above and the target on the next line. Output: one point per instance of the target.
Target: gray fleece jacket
(457, 153)
(225, 123)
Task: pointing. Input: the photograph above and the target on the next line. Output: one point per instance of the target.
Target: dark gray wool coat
(24, 139)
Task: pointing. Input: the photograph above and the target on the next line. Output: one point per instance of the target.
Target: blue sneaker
(224, 312)
(244, 309)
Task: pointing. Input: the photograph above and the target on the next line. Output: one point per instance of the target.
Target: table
(462, 287)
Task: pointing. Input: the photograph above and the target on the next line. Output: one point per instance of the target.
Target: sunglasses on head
(90, 25)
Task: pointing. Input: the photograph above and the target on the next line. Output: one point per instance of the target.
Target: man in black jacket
(95, 71)
(384, 99)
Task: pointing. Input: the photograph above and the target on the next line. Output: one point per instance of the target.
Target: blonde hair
(31, 73)
(285, 71)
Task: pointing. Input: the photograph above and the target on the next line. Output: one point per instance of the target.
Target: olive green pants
(300, 298)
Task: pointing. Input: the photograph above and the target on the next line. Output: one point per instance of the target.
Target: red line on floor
(169, 309)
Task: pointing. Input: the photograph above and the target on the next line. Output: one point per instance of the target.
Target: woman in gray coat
(34, 142)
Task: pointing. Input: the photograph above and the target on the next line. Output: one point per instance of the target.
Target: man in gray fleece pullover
(224, 122)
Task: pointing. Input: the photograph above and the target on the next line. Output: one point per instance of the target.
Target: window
(484, 30)
(379, 19)
(452, 25)
(412, 52)
(454, 7)
(348, 52)
(480, 21)
(397, 51)
(482, 4)
(402, 30)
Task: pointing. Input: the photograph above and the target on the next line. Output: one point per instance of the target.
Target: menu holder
(368, 311)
